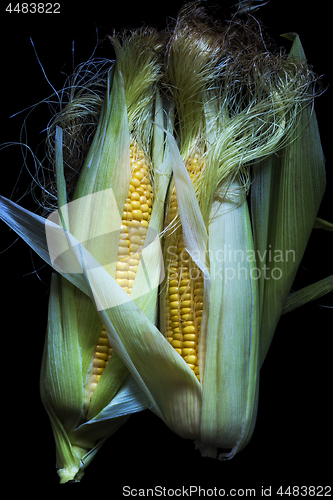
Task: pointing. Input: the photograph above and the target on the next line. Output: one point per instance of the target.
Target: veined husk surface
(286, 193)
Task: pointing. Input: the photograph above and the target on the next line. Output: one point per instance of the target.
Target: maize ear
(116, 173)
(135, 220)
(101, 357)
(184, 286)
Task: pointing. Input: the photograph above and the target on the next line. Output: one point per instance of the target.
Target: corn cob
(184, 297)
(135, 220)
(101, 357)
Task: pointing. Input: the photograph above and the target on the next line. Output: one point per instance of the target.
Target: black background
(293, 432)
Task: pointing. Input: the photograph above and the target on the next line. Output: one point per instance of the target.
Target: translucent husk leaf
(194, 230)
(231, 376)
(156, 366)
(285, 198)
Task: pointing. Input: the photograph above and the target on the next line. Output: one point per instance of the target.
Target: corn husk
(285, 198)
(91, 221)
(308, 294)
(231, 371)
(78, 437)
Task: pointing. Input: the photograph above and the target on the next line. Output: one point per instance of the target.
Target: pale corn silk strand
(134, 225)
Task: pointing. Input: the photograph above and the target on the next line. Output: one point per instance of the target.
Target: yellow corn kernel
(192, 360)
(122, 266)
(101, 355)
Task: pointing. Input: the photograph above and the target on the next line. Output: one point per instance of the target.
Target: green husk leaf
(231, 377)
(61, 386)
(128, 400)
(194, 229)
(61, 182)
(110, 146)
(285, 198)
(61, 376)
(308, 294)
(323, 224)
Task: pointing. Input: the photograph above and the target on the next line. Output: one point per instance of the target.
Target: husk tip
(290, 36)
(206, 450)
(69, 475)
